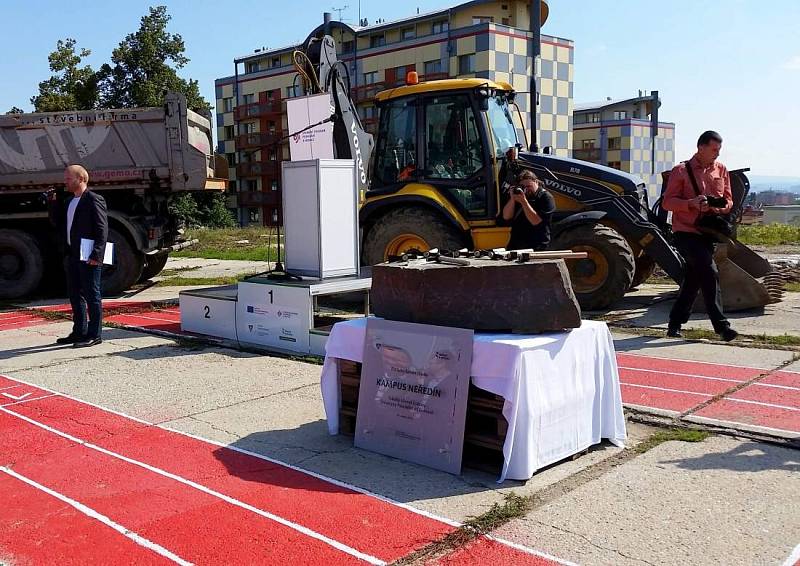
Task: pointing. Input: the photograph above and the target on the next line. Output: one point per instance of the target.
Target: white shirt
(73, 204)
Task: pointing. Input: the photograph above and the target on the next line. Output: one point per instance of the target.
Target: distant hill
(760, 183)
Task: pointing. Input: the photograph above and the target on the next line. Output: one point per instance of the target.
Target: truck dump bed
(168, 148)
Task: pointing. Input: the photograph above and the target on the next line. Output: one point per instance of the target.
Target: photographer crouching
(699, 194)
(530, 221)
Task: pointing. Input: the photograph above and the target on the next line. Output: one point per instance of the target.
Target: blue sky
(728, 65)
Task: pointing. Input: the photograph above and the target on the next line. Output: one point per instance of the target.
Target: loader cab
(450, 136)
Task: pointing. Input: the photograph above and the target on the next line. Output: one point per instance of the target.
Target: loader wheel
(605, 276)
(153, 265)
(405, 229)
(21, 264)
(127, 267)
(644, 269)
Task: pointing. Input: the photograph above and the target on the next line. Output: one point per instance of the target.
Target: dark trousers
(83, 284)
(701, 275)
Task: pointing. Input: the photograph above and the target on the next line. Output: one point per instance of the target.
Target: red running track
(184, 500)
(14, 320)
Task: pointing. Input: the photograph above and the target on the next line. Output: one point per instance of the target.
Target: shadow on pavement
(745, 457)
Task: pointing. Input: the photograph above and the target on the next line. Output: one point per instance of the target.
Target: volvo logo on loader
(359, 160)
(562, 188)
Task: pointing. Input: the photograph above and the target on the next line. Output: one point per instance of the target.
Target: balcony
(258, 139)
(364, 93)
(592, 155)
(258, 168)
(257, 109)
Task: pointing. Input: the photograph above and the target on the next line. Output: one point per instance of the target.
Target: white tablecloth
(561, 390)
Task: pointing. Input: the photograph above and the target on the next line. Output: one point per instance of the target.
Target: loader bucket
(739, 267)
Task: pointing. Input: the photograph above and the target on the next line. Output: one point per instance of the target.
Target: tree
(140, 71)
(15, 110)
(72, 86)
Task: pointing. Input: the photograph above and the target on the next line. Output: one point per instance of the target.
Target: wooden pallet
(485, 429)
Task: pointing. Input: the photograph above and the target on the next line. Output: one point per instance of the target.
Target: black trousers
(83, 284)
(701, 274)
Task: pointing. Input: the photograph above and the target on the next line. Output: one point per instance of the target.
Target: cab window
(396, 154)
(454, 149)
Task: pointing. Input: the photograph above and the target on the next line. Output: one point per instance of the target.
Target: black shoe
(71, 339)
(86, 342)
(728, 334)
(674, 332)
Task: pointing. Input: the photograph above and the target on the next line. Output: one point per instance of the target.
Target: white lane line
(266, 514)
(665, 389)
(138, 539)
(147, 318)
(316, 475)
(334, 481)
(10, 387)
(684, 374)
(26, 400)
(794, 557)
(527, 550)
(775, 385)
(748, 401)
(695, 417)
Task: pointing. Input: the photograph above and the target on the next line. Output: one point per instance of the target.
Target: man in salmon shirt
(696, 248)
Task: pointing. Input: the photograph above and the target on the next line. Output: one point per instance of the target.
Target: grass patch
(699, 334)
(769, 234)
(177, 271)
(793, 287)
(188, 281)
(681, 434)
(221, 243)
(779, 340)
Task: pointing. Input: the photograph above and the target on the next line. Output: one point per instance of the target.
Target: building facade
(626, 135)
(485, 39)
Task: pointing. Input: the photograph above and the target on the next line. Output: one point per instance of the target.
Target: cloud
(793, 64)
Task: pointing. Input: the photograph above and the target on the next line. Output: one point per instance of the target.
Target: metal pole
(536, 51)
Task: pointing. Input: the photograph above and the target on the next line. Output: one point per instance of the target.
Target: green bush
(206, 210)
(769, 234)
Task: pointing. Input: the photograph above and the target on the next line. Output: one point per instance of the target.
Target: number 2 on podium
(207, 311)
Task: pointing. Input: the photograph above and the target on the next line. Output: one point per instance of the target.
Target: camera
(716, 202)
(517, 190)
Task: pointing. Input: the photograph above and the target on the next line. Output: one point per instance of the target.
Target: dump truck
(440, 169)
(138, 159)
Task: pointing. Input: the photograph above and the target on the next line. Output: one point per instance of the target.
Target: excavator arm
(322, 72)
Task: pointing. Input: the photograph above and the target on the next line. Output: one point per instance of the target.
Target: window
(227, 104)
(274, 185)
(466, 64)
(371, 78)
(370, 112)
(249, 98)
(614, 143)
(615, 164)
(271, 128)
(274, 215)
(227, 132)
(251, 184)
(408, 33)
(254, 214)
(292, 91)
(249, 127)
(276, 62)
(503, 130)
(251, 67)
(482, 20)
(588, 144)
(432, 67)
(231, 157)
(270, 94)
(348, 46)
(620, 115)
(397, 156)
(273, 155)
(593, 117)
(441, 26)
(232, 186)
(377, 40)
(454, 148)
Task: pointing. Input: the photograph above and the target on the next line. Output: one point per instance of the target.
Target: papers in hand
(88, 245)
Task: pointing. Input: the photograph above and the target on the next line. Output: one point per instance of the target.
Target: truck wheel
(153, 264)
(127, 268)
(406, 229)
(644, 269)
(21, 264)
(605, 276)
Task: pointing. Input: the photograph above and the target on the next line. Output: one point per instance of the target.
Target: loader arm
(322, 72)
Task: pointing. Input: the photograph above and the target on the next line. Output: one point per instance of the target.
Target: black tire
(429, 229)
(153, 264)
(21, 264)
(605, 276)
(127, 268)
(645, 266)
